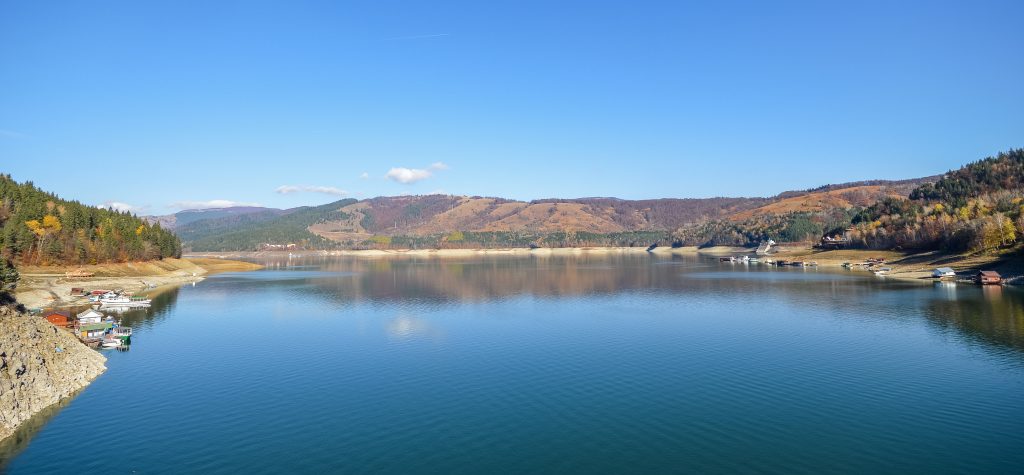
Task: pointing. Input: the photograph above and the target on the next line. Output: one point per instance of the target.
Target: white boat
(124, 301)
(111, 342)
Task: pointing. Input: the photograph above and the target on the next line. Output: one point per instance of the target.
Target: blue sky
(164, 105)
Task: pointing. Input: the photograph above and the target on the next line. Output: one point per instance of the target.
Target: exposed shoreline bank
(447, 253)
(906, 265)
(50, 286)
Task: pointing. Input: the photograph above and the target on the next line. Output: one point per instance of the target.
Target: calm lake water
(607, 364)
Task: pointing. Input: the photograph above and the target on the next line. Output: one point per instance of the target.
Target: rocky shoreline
(40, 365)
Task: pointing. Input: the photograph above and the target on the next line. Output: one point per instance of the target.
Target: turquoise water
(619, 364)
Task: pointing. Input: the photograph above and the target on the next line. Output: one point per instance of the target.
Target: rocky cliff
(40, 364)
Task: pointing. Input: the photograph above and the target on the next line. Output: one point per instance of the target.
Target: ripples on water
(607, 364)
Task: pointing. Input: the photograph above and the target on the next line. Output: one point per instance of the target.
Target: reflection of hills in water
(161, 306)
(991, 315)
(544, 276)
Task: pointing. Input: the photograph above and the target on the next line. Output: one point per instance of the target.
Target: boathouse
(943, 272)
(94, 331)
(59, 319)
(89, 316)
(987, 277)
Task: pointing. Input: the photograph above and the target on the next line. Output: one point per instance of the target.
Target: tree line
(38, 227)
(977, 208)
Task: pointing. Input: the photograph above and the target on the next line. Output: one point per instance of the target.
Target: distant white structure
(943, 272)
(765, 247)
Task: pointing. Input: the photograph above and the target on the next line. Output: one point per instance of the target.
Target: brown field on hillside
(439, 214)
(821, 201)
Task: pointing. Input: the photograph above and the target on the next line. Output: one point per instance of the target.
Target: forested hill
(979, 207)
(445, 221)
(255, 230)
(38, 227)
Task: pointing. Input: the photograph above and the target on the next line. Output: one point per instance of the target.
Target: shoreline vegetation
(50, 286)
(914, 266)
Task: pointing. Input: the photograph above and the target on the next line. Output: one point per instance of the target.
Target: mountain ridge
(422, 220)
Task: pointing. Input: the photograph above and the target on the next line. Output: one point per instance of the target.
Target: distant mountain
(260, 228)
(181, 218)
(454, 221)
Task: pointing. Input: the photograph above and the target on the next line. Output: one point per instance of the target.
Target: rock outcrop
(40, 364)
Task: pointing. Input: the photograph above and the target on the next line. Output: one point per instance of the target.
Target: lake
(589, 364)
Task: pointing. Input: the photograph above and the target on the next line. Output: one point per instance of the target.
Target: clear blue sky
(166, 104)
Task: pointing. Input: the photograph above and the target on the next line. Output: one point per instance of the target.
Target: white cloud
(364, 176)
(330, 190)
(412, 175)
(407, 175)
(209, 204)
(119, 206)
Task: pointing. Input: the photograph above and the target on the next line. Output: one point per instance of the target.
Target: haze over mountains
(377, 221)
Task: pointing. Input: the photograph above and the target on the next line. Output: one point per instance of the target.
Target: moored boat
(124, 301)
(123, 333)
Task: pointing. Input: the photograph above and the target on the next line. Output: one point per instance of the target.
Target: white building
(943, 272)
(90, 316)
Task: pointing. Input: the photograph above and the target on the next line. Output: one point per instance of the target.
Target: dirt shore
(905, 265)
(443, 253)
(50, 286)
(909, 265)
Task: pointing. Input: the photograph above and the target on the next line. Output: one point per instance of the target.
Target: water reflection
(605, 363)
(990, 314)
(163, 302)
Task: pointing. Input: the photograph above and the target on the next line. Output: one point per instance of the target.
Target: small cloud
(329, 190)
(364, 176)
(412, 175)
(11, 134)
(407, 175)
(119, 206)
(209, 204)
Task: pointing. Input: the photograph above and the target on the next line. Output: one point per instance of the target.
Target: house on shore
(60, 319)
(943, 272)
(93, 331)
(765, 247)
(89, 317)
(988, 277)
(830, 242)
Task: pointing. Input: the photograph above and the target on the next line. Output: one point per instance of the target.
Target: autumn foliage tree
(37, 227)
